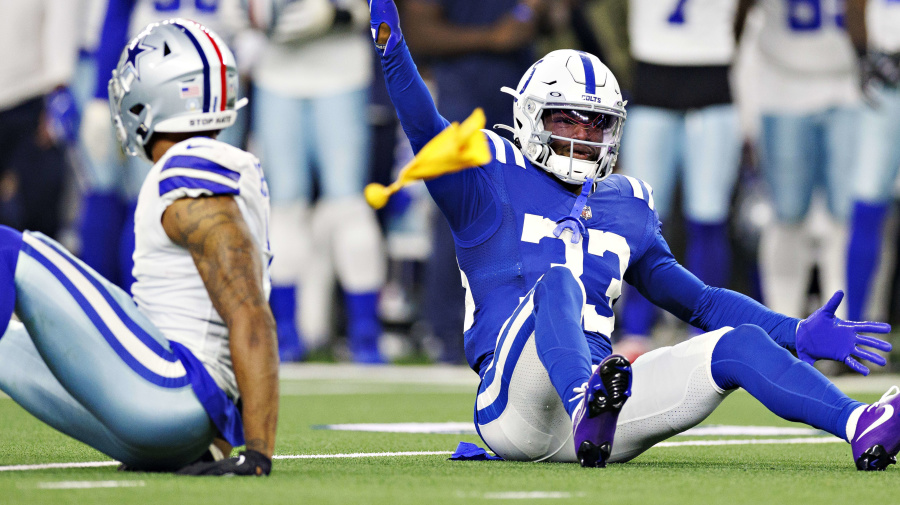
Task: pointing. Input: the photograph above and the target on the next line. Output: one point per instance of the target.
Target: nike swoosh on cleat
(888, 412)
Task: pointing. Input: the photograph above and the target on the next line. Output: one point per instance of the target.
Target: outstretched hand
(825, 336)
(385, 23)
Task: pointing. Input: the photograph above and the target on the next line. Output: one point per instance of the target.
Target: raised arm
(214, 231)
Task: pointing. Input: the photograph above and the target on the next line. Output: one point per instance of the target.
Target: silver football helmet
(174, 76)
(568, 115)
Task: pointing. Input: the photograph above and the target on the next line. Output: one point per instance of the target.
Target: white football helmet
(579, 93)
(174, 76)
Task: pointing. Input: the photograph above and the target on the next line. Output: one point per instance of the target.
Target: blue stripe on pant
(101, 372)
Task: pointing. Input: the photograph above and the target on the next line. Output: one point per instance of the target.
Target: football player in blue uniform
(153, 381)
(545, 236)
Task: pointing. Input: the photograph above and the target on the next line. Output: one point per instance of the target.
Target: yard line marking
(87, 484)
(89, 464)
(530, 495)
(53, 466)
(361, 455)
(752, 441)
(468, 428)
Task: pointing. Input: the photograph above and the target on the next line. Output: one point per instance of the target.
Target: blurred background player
(40, 41)
(809, 101)
(683, 128)
(111, 181)
(309, 118)
(152, 381)
(874, 27)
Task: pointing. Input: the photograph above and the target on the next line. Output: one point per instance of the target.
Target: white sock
(851, 422)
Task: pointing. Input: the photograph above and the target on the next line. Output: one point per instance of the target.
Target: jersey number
(537, 228)
(173, 5)
(806, 15)
(677, 16)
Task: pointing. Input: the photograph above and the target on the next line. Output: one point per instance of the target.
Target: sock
(862, 255)
(10, 245)
(126, 249)
(638, 313)
(746, 357)
(283, 301)
(102, 216)
(709, 253)
(559, 336)
(363, 326)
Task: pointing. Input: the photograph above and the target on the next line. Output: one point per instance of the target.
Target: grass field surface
(316, 465)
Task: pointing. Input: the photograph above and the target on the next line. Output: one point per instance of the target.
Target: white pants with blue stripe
(522, 418)
(85, 361)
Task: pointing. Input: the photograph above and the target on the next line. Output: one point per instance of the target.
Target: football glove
(248, 462)
(385, 12)
(825, 336)
(878, 70)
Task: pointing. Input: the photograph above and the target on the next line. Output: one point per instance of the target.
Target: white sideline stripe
(87, 484)
(132, 344)
(89, 464)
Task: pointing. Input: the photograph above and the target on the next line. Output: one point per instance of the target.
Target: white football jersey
(169, 289)
(682, 32)
(221, 16)
(806, 37)
(883, 24)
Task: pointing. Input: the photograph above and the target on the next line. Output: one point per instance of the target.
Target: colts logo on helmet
(590, 98)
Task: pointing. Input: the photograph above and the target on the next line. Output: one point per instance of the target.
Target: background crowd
(772, 152)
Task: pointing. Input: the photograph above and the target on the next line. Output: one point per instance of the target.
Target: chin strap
(573, 222)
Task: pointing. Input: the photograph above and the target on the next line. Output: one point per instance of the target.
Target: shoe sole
(615, 375)
(875, 458)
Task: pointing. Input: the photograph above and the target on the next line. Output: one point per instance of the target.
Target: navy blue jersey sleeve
(466, 198)
(113, 37)
(660, 278)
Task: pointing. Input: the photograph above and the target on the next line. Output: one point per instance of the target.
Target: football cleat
(594, 421)
(877, 439)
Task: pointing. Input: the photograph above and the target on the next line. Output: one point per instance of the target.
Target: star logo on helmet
(133, 52)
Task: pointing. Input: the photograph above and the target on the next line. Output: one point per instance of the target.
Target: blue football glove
(385, 12)
(824, 336)
(63, 113)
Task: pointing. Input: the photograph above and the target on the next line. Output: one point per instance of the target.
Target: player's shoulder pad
(503, 150)
(630, 187)
(202, 165)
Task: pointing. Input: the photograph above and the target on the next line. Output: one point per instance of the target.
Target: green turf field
(819, 473)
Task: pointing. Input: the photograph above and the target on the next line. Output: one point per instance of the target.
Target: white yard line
(770, 441)
(89, 484)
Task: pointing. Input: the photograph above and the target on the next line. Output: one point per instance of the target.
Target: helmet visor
(591, 126)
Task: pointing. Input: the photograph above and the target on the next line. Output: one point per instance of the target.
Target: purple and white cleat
(877, 439)
(594, 421)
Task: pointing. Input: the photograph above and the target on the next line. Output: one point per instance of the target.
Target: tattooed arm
(228, 260)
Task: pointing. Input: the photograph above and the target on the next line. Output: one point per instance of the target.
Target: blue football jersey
(502, 258)
(503, 216)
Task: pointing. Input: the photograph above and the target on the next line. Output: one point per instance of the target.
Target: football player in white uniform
(874, 26)
(809, 100)
(113, 182)
(153, 381)
(683, 128)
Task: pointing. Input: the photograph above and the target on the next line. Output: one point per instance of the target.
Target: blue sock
(746, 357)
(862, 255)
(363, 326)
(126, 249)
(708, 252)
(283, 301)
(638, 313)
(10, 245)
(102, 215)
(558, 334)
